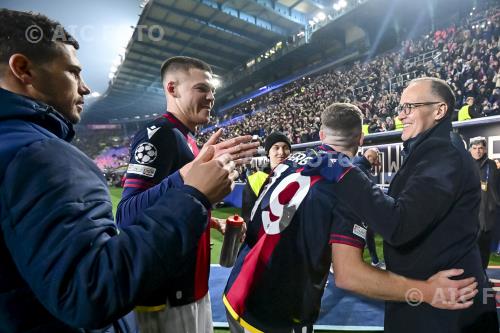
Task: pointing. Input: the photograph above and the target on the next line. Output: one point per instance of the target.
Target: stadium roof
(225, 34)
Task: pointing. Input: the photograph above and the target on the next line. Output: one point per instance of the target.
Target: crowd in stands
(96, 141)
(108, 148)
(112, 157)
(466, 56)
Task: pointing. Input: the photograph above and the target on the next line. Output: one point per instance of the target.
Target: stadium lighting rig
(321, 16)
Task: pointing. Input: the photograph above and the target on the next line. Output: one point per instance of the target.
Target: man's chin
(204, 120)
(73, 115)
(74, 118)
(405, 136)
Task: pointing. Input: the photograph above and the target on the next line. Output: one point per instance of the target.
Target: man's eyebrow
(76, 67)
(204, 85)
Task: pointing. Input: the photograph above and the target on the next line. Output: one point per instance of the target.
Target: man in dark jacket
(66, 267)
(489, 196)
(429, 221)
(297, 227)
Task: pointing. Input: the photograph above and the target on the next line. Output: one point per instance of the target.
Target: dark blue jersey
(280, 273)
(158, 151)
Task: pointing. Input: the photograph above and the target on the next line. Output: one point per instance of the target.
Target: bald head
(424, 103)
(371, 155)
(439, 89)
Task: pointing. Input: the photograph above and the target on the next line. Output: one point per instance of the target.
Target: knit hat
(275, 137)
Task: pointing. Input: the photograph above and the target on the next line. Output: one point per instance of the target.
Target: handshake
(213, 171)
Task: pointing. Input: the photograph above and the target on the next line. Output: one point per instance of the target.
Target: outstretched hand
(240, 148)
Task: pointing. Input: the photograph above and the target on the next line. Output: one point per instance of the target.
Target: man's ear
(22, 68)
(361, 139)
(321, 135)
(441, 111)
(171, 88)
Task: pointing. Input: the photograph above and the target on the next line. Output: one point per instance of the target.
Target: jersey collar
(178, 124)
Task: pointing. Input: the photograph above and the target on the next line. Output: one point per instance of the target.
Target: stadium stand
(108, 147)
(465, 54)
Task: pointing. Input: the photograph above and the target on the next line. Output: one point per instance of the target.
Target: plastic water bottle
(231, 241)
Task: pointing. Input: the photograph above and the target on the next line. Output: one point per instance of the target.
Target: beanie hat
(275, 137)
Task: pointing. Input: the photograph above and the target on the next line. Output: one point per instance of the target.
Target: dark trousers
(484, 243)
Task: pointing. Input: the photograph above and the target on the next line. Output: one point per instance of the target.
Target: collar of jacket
(320, 151)
(441, 130)
(15, 106)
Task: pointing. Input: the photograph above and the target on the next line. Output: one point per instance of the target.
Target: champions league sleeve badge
(145, 153)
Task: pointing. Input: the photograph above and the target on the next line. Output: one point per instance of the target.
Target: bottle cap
(235, 220)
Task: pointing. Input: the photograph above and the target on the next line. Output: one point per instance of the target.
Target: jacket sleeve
(59, 230)
(428, 195)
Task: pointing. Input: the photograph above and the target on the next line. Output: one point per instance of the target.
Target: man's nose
(83, 89)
